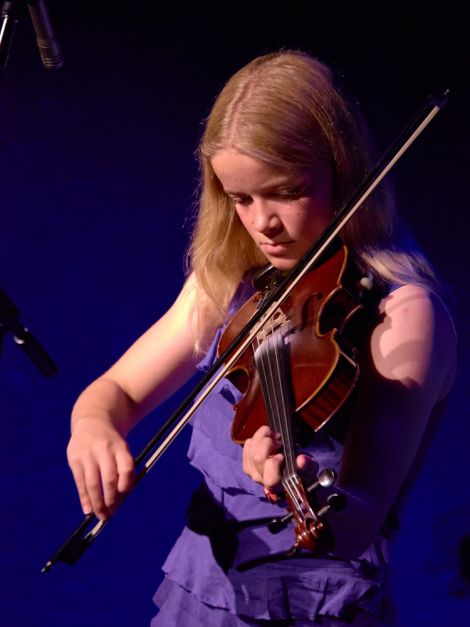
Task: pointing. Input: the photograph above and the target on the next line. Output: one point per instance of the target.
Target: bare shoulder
(183, 323)
(415, 341)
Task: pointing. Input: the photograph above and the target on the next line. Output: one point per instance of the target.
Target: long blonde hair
(284, 109)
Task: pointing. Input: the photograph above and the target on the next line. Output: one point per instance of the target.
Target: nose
(265, 218)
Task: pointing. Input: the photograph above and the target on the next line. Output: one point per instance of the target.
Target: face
(283, 211)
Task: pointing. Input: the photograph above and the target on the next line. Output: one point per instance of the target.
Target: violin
(300, 370)
(265, 316)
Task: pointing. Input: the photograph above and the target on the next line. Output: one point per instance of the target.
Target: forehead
(235, 170)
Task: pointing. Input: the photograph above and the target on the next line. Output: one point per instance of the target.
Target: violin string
(265, 379)
(270, 371)
(291, 480)
(271, 359)
(271, 385)
(285, 413)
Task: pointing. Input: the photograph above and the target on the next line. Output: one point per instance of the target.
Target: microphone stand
(52, 58)
(49, 49)
(10, 15)
(9, 322)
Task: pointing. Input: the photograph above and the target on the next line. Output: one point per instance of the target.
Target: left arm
(411, 367)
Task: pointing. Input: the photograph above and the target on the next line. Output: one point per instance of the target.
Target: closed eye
(288, 193)
(292, 194)
(240, 200)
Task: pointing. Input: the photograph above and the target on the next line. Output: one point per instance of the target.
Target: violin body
(313, 321)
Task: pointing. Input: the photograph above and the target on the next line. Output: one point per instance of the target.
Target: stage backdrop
(97, 180)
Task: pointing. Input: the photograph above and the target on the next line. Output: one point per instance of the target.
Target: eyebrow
(298, 181)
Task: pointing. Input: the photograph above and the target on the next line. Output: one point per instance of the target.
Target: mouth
(275, 248)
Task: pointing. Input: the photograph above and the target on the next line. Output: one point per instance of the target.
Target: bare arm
(155, 366)
(411, 368)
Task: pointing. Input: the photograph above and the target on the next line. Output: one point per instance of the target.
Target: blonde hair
(284, 110)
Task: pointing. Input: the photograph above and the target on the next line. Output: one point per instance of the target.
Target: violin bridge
(278, 319)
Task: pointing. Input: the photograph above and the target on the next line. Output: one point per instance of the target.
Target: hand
(263, 463)
(101, 464)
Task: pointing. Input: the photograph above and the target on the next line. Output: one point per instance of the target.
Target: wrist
(79, 421)
(105, 402)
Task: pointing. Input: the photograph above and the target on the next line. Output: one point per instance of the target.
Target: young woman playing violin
(280, 154)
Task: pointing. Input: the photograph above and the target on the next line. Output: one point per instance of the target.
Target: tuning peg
(325, 479)
(334, 503)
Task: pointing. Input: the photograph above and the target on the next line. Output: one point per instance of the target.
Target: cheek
(244, 219)
(316, 217)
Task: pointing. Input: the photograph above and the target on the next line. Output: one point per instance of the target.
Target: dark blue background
(97, 177)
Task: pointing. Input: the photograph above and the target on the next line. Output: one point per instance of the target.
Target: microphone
(51, 54)
(9, 19)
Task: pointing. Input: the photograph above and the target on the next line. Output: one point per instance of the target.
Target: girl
(280, 154)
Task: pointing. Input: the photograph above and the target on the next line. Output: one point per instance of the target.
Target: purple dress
(204, 585)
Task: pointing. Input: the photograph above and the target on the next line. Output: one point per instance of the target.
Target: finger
(109, 480)
(261, 451)
(79, 478)
(264, 443)
(262, 432)
(245, 458)
(308, 466)
(272, 471)
(125, 470)
(94, 489)
(248, 465)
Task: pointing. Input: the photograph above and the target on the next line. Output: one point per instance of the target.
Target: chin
(282, 264)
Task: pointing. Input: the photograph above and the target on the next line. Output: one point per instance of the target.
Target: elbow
(355, 527)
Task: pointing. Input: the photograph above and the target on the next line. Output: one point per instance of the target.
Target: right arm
(154, 367)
